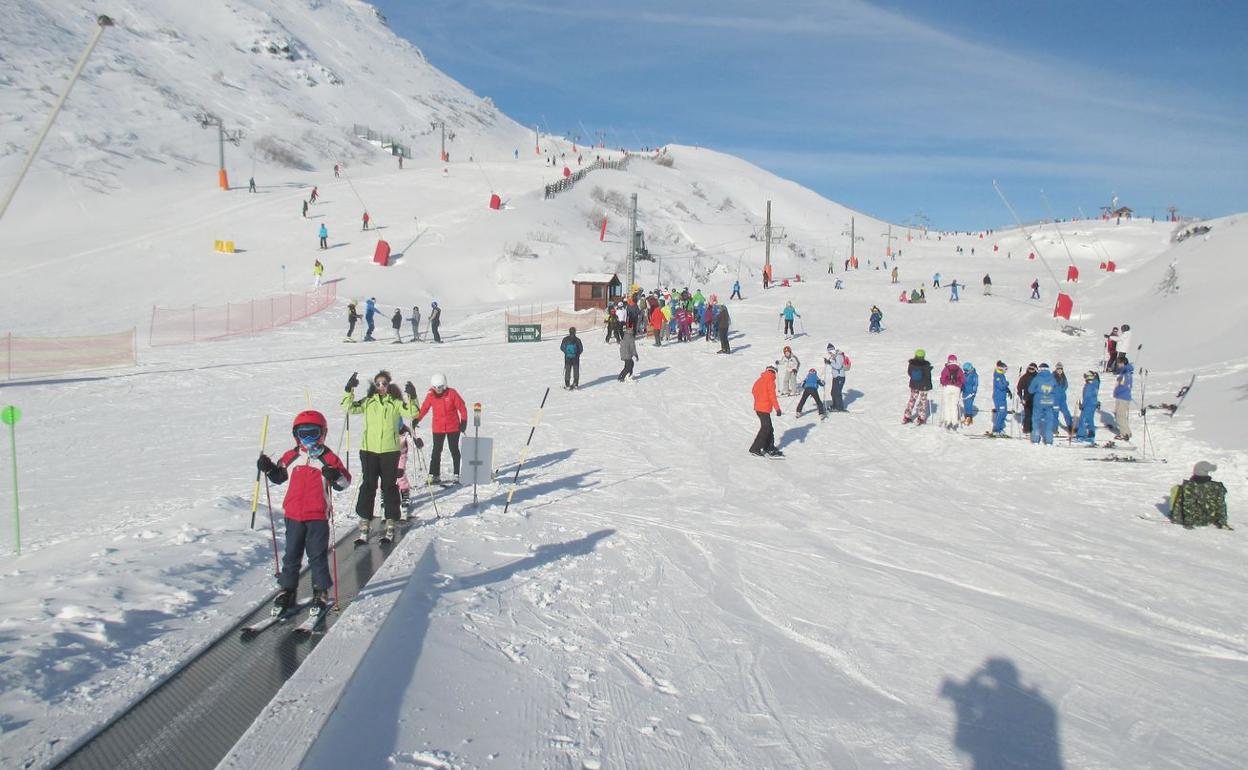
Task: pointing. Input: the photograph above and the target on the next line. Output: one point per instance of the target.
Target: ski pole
(420, 443)
(255, 492)
(277, 567)
(333, 541)
(537, 419)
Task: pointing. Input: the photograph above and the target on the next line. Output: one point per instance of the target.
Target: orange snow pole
(223, 179)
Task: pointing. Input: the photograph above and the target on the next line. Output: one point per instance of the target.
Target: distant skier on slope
(396, 323)
(628, 354)
(1089, 406)
(789, 364)
(370, 310)
(788, 314)
(810, 389)
(951, 381)
(1000, 395)
(1043, 388)
(876, 317)
(765, 402)
(721, 323)
(1026, 397)
(435, 321)
(1122, 397)
(919, 375)
(970, 387)
(415, 319)
(571, 348)
(838, 365)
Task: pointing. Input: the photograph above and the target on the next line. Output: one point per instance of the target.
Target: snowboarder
(435, 320)
(1035, 289)
(1122, 397)
(1199, 501)
(736, 290)
(876, 317)
(721, 322)
(919, 374)
(450, 418)
(314, 470)
(1000, 395)
(838, 364)
(788, 314)
(628, 354)
(323, 234)
(251, 185)
(1089, 405)
(352, 317)
(571, 348)
(364, 219)
(396, 322)
(951, 381)
(383, 407)
(1043, 389)
(765, 402)
(970, 387)
(789, 364)
(317, 271)
(810, 389)
(1060, 402)
(1025, 396)
(370, 310)
(415, 319)
(987, 285)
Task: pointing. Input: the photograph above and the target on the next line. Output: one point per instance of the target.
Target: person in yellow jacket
(384, 409)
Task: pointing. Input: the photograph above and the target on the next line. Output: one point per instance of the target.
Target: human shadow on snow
(852, 395)
(1001, 722)
(797, 434)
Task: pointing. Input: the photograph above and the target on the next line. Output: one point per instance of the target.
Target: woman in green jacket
(384, 409)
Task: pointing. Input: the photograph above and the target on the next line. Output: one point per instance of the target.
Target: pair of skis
(310, 626)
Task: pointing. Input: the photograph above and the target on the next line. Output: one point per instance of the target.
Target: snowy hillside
(884, 596)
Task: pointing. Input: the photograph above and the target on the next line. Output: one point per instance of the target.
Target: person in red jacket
(765, 402)
(312, 470)
(657, 322)
(450, 418)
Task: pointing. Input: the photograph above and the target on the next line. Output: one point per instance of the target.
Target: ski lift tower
(207, 119)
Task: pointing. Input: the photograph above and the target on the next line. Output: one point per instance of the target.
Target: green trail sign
(524, 332)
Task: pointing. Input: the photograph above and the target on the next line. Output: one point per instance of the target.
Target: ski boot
(320, 602)
(387, 532)
(431, 479)
(362, 538)
(405, 497)
(284, 602)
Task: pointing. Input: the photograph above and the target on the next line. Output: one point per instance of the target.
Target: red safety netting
(213, 322)
(557, 319)
(41, 356)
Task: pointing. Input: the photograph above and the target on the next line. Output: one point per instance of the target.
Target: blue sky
(891, 107)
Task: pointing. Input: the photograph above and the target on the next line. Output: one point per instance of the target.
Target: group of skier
(396, 321)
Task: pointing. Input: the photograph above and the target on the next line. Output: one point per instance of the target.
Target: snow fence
(557, 319)
(22, 357)
(214, 322)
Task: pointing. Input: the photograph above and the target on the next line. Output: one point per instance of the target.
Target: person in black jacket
(919, 374)
(1027, 398)
(571, 348)
(722, 321)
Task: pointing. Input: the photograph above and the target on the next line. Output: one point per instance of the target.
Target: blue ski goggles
(308, 435)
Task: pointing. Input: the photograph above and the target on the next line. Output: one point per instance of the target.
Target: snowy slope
(657, 597)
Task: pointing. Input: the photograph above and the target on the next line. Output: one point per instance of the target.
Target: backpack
(569, 350)
(845, 358)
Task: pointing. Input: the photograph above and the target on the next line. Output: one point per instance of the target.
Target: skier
(951, 381)
(312, 198)
(789, 365)
(936, 281)
(919, 374)
(405, 487)
(628, 354)
(1124, 340)
(1026, 397)
(721, 322)
(323, 234)
(765, 402)
(1000, 394)
(987, 285)
(810, 389)
(370, 310)
(415, 319)
(1111, 349)
(571, 348)
(305, 209)
(766, 276)
(788, 314)
(1060, 404)
(1089, 405)
(435, 320)
(1199, 501)
(251, 185)
(838, 364)
(352, 317)
(383, 406)
(1043, 389)
(893, 274)
(317, 271)
(1035, 289)
(450, 418)
(335, 171)
(970, 387)
(657, 322)
(953, 291)
(364, 219)
(396, 321)
(314, 470)
(877, 316)
(736, 290)
(1122, 397)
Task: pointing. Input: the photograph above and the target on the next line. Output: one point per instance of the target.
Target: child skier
(789, 365)
(970, 387)
(788, 314)
(919, 373)
(396, 322)
(405, 486)
(1044, 408)
(951, 381)
(1000, 394)
(415, 319)
(877, 316)
(1089, 405)
(313, 470)
(353, 316)
(810, 389)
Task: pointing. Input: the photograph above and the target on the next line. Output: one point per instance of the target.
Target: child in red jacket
(313, 470)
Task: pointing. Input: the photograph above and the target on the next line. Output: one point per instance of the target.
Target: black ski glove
(331, 475)
(353, 383)
(410, 390)
(463, 426)
(420, 442)
(265, 465)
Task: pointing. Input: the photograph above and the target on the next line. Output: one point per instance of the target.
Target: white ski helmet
(438, 382)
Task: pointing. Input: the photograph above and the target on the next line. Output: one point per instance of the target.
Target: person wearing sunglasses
(383, 408)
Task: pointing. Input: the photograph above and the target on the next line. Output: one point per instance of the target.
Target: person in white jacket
(789, 365)
(1124, 341)
(837, 367)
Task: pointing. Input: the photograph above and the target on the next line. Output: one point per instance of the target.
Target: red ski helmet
(310, 417)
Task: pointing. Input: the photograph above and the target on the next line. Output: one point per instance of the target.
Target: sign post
(9, 416)
(476, 448)
(524, 332)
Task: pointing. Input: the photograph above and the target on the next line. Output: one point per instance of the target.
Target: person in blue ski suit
(1000, 394)
(370, 310)
(1043, 388)
(877, 316)
(323, 234)
(810, 389)
(953, 291)
(736, 290)
(1089, 405)
(1063, 407)
(970, 387)
(788, 314)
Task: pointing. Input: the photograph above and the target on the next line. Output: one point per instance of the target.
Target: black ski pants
(765, 440)
(838, 397)
(627, 371)
(380, 467)
(312, 538)
(435, 458)
(351, 326)
(571, 372)
(788, 326)
(433, 329)
(810, 393)
(1028, 400)
(723, 340)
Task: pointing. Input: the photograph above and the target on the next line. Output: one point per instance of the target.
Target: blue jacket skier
(1044, 413)
(1063, 408)
(788, 314)
(1000, 394)
(877, 316)
(370, 310)
(1089, 404)
(970, 387)
(810, 389)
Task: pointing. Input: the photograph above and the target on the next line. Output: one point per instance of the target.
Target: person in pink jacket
(450, 418)
(951, 379)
